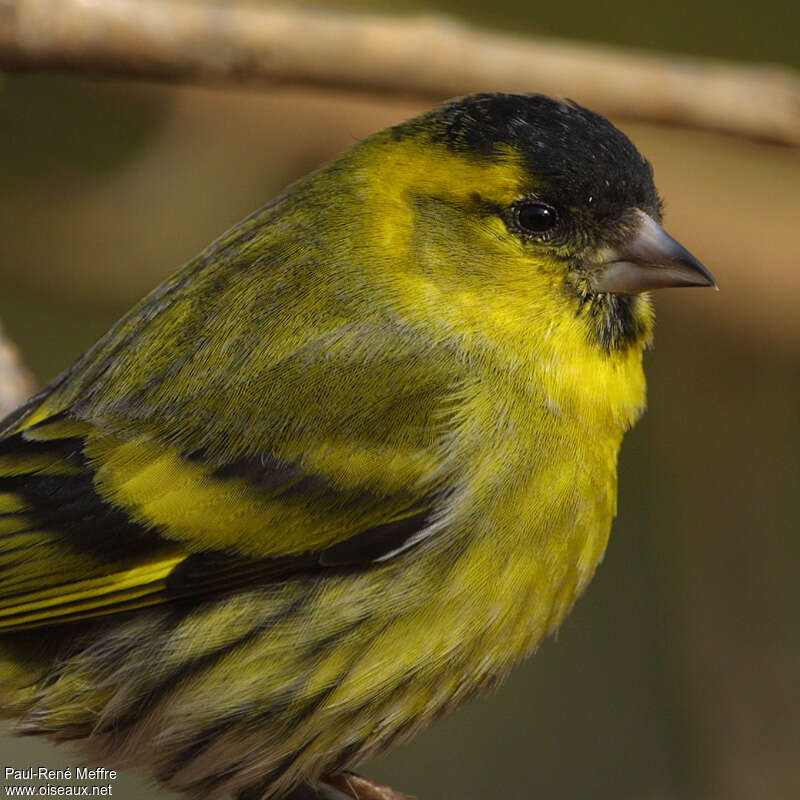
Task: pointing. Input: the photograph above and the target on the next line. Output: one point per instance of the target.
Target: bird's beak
(649, 258)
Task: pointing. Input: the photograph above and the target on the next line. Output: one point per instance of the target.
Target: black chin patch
(614, 323)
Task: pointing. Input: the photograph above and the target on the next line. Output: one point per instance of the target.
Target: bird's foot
(359, 788)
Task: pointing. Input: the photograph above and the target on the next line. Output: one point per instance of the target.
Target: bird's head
(526, 210)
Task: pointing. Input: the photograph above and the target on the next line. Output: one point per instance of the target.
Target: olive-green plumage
(348, 466)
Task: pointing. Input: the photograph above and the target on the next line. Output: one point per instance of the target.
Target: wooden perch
(15, 381)
(429, 57)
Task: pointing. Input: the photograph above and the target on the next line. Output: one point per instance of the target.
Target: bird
(347, 467)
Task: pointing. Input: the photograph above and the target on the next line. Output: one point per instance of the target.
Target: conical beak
(648, 259)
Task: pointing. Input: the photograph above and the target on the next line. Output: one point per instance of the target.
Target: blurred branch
(424, 56)
(16, 383)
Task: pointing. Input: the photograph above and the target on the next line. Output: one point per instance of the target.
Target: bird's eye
(536, 218)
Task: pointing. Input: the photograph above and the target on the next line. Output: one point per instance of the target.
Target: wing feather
(92, 525)
(239, 425)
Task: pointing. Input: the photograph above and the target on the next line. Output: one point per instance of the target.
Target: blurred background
(677, 676)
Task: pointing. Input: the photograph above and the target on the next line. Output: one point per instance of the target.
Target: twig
(424, 56)
(15, 382)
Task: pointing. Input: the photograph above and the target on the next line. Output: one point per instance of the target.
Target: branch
(16, 383)
(428, 57)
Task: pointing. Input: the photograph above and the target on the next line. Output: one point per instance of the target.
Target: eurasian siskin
(348, 466)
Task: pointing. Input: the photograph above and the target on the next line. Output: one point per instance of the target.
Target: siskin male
(348, 466)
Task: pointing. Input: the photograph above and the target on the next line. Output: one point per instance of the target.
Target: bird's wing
(92, 524)
(251, 418)
(130, 484)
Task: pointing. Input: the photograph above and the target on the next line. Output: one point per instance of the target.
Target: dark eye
(536, 218)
